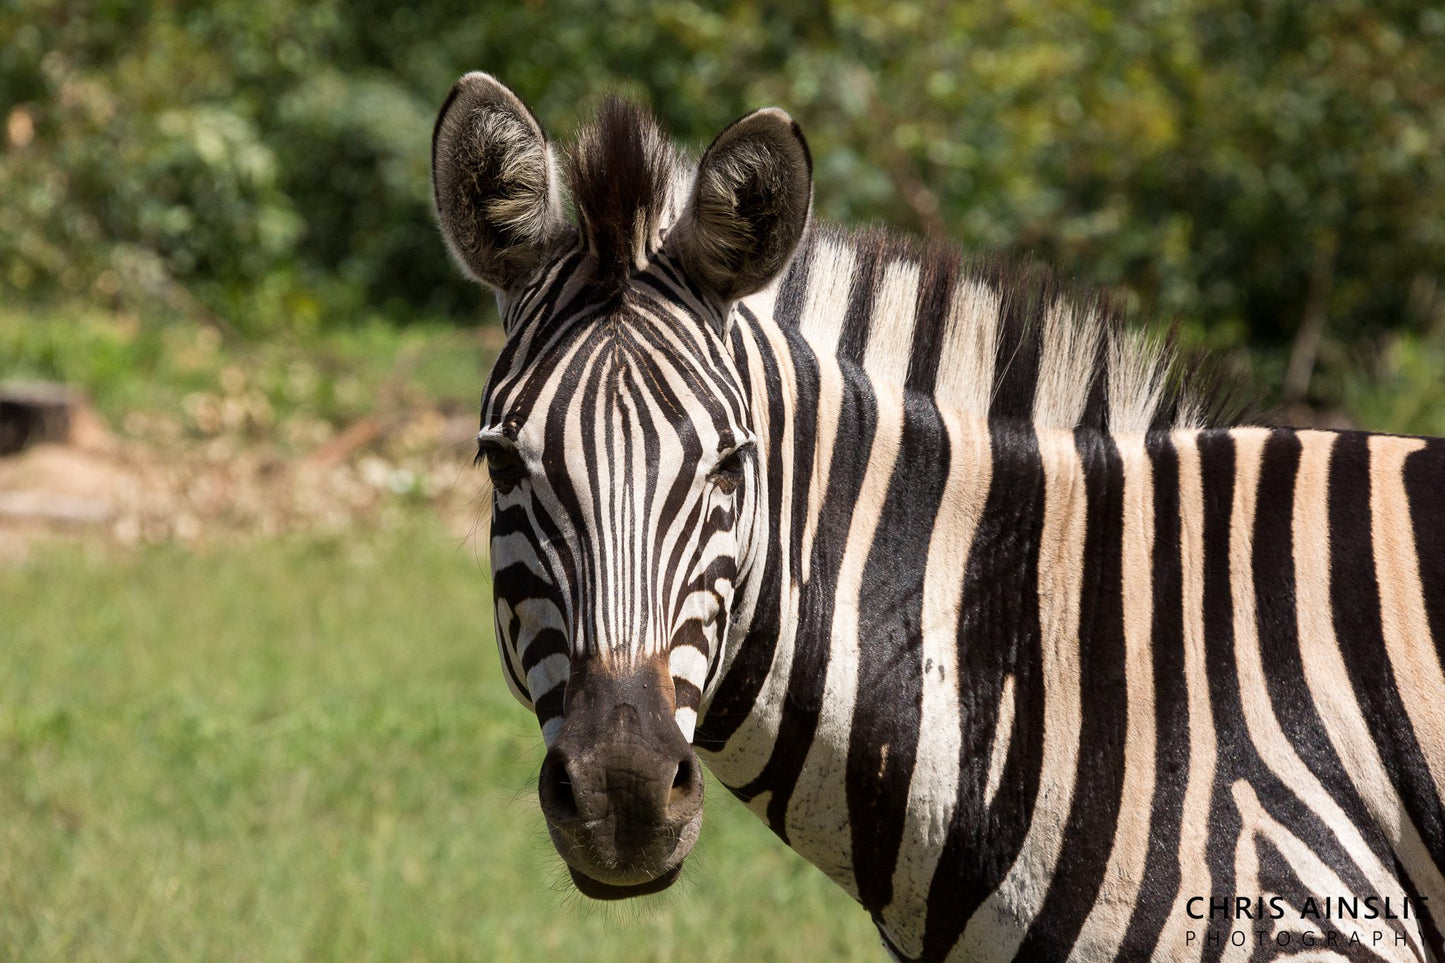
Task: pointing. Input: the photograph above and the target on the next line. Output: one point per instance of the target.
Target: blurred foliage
(1250, 167)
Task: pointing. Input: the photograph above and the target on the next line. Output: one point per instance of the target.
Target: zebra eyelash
(743, 451)
(491, 439)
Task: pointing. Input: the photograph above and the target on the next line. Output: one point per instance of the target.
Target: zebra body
(1157, 682)
(936, 571)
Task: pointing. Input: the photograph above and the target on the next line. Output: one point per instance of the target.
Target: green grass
(338, 374)
(303, 750)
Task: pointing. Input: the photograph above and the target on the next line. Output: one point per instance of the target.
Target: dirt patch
(156, 484)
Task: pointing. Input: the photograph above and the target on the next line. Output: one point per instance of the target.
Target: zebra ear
(494, 183)
(749, 205)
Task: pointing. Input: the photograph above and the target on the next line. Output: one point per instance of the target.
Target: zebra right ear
(494, 183)
(749, 205)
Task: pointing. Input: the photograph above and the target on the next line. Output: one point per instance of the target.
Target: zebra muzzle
(620, 787)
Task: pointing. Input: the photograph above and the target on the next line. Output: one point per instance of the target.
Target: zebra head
(618, 429)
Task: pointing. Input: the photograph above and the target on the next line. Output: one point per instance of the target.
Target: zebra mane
(1001, 340)
(620, 172)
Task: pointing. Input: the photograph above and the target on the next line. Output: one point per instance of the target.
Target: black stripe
(1096, 407)
(883, 741)
(767, 618)
(1171, 711)
(546, 642)
(514, 625)
(1099, 781)
(807, 388)
(793, 289)
(682, 285)
(550, 704)
(1277, 876)
(515, 582)
(1424, 485)
(1016, 363)
(548, 533)
(1355, 593)
(540, 299)
(998, 635)
(1234, 752)
(938, 276)
(686, 695)
(1237, 758)
(858, 321)
(655, 355)
(1424, 480)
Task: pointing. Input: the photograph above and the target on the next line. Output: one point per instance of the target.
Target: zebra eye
(503, 464)
(728, 473)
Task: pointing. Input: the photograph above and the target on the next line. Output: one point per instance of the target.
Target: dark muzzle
(620, 787)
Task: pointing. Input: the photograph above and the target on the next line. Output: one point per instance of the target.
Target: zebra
(976, 596)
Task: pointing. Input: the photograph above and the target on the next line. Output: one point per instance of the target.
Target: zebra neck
(923, 582)
(841, 705)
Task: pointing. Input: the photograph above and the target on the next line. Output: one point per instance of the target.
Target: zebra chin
(605, 864)
(620, 787)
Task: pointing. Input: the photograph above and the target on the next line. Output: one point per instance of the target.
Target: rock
(32, 412)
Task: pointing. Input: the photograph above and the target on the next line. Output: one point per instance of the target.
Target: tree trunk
(1312, 323)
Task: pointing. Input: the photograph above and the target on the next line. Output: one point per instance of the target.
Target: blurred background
(1270, 173)
(249, 706)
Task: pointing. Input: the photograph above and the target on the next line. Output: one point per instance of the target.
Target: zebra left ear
(496, 193)
(749, 205)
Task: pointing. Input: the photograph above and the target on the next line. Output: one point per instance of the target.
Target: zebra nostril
(682, 798)
(555, 790)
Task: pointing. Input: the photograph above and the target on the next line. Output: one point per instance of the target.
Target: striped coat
(938, 570)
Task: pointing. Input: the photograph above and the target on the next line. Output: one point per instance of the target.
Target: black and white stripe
(992, 629)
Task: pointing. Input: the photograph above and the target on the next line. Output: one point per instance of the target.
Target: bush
(1244, 168)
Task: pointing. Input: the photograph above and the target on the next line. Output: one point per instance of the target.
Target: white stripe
(890, 332)
(1257, 823)
(825, 303)
(970, 344)
(545, 676)
(686, 721)
(1003, 731)
(1070, 350)
(762, 303)
(688, 663)
(830, 406)
(506, 645)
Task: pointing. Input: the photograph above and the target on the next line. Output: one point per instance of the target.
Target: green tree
(1270, 173)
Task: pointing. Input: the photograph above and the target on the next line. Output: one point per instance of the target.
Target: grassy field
(301, 749)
